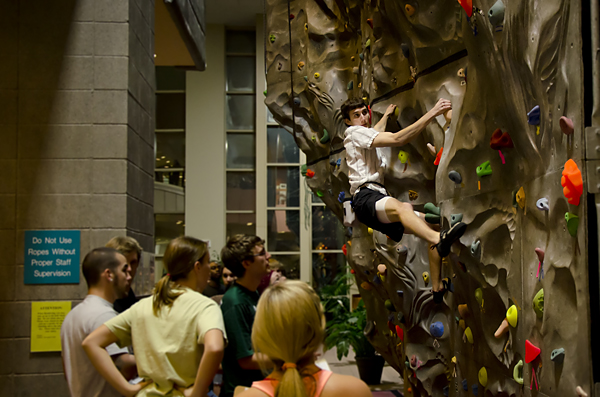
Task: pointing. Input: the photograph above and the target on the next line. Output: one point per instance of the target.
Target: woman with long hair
(289, 329)
(178, 335)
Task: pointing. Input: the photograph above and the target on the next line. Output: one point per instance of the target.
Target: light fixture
(168, 161)
(163, 157)
(179, 222)
(249, 224)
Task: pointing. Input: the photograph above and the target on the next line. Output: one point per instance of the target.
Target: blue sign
(52, 256)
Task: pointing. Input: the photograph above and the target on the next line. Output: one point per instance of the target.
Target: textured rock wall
(494, 70)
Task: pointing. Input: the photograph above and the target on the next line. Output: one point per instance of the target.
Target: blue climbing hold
(436, 329)
(446, 390)
(341, 196)
(475, 389)
(376, 280)
(339, 162)
(400, 293)
(533, 117)
(465, 385)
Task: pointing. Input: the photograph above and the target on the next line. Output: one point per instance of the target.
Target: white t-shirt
(82, 377)
(365, 163)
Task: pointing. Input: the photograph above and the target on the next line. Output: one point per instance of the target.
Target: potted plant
(345, 328)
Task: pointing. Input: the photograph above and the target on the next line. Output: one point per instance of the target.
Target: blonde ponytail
(291, 384)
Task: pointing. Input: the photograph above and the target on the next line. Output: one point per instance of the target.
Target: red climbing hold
(310, 173)
(467, 5)
(344, 249)
(292, 16)
(351, 270)
(400, 333)
(501, 140)
(438, 157)
(531, 352)
(566, 125)
(571, 182)
(370, 22)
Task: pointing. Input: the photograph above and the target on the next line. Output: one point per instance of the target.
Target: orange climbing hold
(467, 5)
(410, 10)
(572, 182)
(370, 22)
(310, 173)
(438, 157)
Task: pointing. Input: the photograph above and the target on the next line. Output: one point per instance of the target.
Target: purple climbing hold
(533, 117)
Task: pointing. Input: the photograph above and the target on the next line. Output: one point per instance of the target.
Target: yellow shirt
(168, 348)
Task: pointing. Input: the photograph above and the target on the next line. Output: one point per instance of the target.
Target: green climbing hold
(368, 43)
(325, 137)
(484, 169)
(479, 296)
(350, 85)
(319, 193)
(430, 208)
(303, 169)
(432, 218)
(538, 303)
(402, 156)
(572, 223)
(272, 38)
(305, 78)
(389, 305)
(314, 138)
(361, 56)
(265, 92)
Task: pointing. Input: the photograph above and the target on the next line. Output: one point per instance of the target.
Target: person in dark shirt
(214, 286)
(248, 260)
(132, 251)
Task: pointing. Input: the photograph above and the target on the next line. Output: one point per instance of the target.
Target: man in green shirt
(248, 260)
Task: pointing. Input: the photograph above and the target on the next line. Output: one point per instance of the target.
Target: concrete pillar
(77, 131)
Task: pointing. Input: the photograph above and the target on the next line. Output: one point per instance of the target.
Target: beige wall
(205, 145)
(76, 152)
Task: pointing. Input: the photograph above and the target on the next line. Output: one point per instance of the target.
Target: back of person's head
(351, 104)
(96, 262)
(125, 245)
(238, 249)
(180, 257)
(289, 328)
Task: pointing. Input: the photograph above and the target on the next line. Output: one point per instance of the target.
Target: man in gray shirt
(108, 277)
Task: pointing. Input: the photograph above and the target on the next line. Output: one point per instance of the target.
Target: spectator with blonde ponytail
(177, 334)
(289, 329)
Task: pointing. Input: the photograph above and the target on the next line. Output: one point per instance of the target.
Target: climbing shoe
(448, 237)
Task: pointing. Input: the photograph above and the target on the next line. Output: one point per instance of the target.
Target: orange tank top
(268, 386)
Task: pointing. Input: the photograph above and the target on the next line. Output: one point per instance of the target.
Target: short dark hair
(351, 104)
(96, 261)
(238, 249)
(126, 245)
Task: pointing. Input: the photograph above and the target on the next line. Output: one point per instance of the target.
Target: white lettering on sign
(33, 252)
(36, 262)
(62, 251)
(56, 273)
(64, 240)
(63, 262)
(36, 240)
(50, 240)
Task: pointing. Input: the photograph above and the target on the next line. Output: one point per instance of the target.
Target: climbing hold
(313, 138)
(325, 138)
(297, 101)
(538, 304)
(438, 157)
(433, 219)
(469, 334)
(518, 372)
(430, 208)
(345, 250)
(400, 332)
(446, 391)
(533, 117)
(300, 65)
(292, 16)
(401, 249)
(542, 204)
(558, 355)
(501, 140)
(332, 162)
(272, 38)
(305, 78)
(389, 305)
(475, 247)
(479, 296)
(436, 329)
(350, 85)
(338, 162)
(265, 92)
(376, 280)
(484, 169)
(462, 324)
(317, 75)
(366, 286)
(319, 193)
(501, 329)
(370, 231)
(483, 376)
(306, 27)
(410, 10)
(496, 13)
(352, 271)
(465, 385)
(455, 218)
(341, 196)
(303, 169)
(512, 315)
(463, 310)
(580, 392)
(412, 195)
(455, 177)
(566, 125)
(405, 50)
(402, 156)
(531, 352)
(540, 254)
(400, 293)
(426, 277)
(370, 22)
(571, 182)
(572, 223)
(467, 5)
(368, 43)
(310, 173)
(381, 268)
(520, 197)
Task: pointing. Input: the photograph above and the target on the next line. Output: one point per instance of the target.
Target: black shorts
(363, 204)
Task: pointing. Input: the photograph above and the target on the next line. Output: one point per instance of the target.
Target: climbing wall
(517, 321)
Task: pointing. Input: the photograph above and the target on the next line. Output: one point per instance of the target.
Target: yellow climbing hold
(521, 197)
(479, 296)
(366, 286)
(300, 65)
(483, 376)
(370, 230)
(306, 27)
(426, 277)
(469, 334)
(402, 156)
(317, 75)
(512, 315)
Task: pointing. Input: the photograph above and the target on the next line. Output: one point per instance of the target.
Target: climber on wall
(371, 201)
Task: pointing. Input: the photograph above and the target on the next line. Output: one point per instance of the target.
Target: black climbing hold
(297, 101)
(455, 177)
(405, 50)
